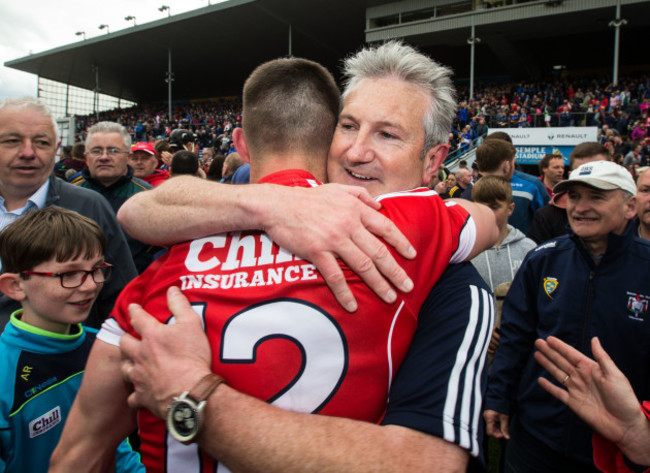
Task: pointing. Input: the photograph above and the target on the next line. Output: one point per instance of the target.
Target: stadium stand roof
(520, 39)
(214, 48)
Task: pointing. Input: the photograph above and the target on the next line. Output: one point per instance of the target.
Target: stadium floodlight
(163, 8)
(104, 26)
(130, 18)
(81, 33)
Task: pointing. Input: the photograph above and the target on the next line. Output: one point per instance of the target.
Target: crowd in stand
(574, 102)
(208, 120)
(623, 109)
(622, 112)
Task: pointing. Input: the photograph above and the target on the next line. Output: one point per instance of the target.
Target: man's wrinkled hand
(333, 221)
(169, 358)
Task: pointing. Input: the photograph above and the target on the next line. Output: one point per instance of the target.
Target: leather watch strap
(205, 387)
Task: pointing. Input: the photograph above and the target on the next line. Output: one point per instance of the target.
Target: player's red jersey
(276, 330)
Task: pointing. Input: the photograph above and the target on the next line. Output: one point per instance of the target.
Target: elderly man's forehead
(386, 80)
(103, 136)
(16, 116)
(377, 88)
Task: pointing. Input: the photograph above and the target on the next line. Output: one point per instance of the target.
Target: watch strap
(205, 387)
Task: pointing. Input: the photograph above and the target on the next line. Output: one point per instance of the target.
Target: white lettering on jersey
(247, 247)
(325, 360)
(315, 332)
(192, 261)
(241, 252)
(259, 277)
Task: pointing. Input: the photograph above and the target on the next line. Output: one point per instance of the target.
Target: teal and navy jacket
(40, 375)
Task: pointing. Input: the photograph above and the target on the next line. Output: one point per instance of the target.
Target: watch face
(183, 420)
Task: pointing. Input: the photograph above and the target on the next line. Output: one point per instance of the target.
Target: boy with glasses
(53, 264)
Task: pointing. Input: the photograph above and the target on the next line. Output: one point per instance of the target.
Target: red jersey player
(277, 332)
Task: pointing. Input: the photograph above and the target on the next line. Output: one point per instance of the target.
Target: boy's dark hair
(184, 162)
(492, 190)
(49, 233)
(492, 153)
(290, 104)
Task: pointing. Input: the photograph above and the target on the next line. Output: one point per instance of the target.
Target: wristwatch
(185, 413)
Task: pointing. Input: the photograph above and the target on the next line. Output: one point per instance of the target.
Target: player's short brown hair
(290, 104)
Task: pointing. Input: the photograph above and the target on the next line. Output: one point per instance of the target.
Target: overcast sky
(34, 26)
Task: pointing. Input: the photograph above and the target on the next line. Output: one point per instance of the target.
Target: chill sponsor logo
(38, 388)
(254, 255)
(235, 251)
(45, 422)
(637, 305)
(550, 285)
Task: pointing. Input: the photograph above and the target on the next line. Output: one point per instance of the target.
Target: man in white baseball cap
(601, 200)
(603, 175)
(591, 282)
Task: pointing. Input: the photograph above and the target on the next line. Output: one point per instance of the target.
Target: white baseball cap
(604, 175)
